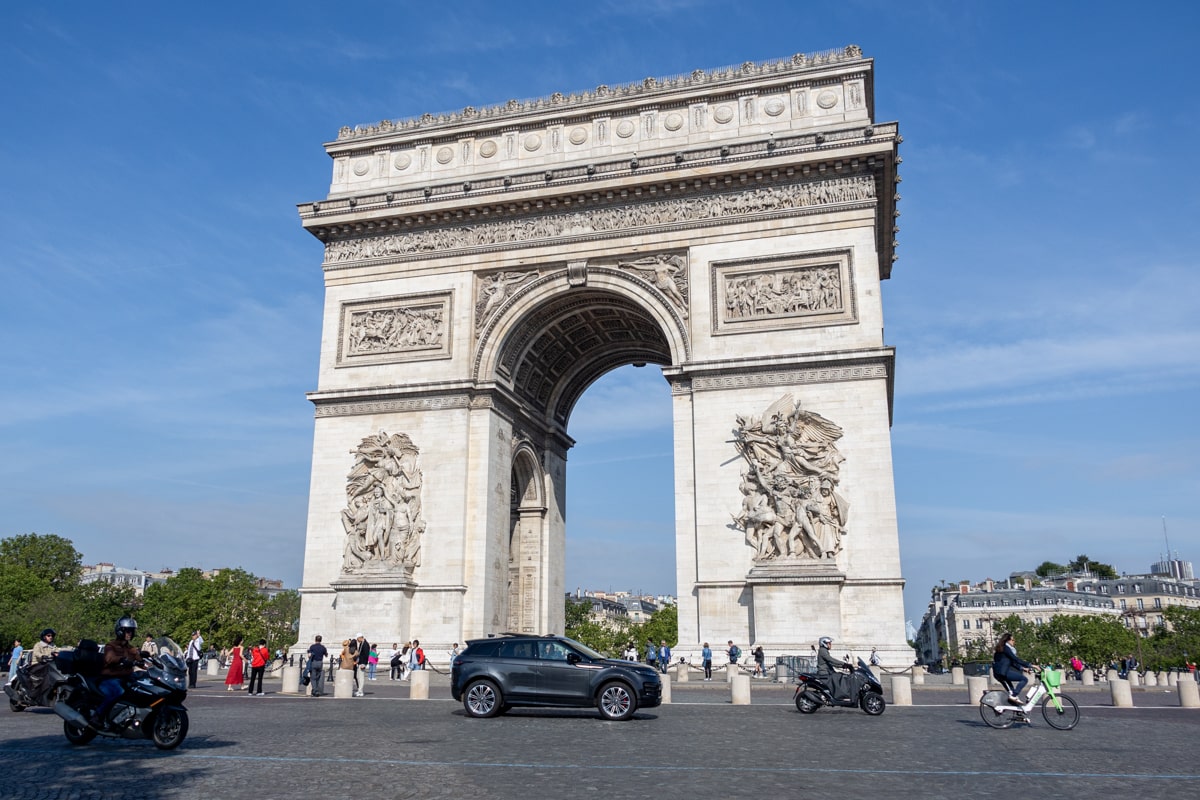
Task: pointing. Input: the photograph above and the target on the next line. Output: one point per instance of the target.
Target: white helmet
(825, 641)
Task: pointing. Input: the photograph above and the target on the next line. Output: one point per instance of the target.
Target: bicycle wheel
(1062, 720)
(996, 718)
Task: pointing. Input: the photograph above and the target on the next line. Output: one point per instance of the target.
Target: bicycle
(1060, 710)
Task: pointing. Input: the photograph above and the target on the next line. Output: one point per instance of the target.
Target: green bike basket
(1053, 678)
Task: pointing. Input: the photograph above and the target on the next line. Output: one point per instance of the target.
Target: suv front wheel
(482, 699)
(616, 701)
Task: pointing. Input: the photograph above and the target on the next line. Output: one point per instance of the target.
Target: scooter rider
(39, 661)
(829, 669)
(120, 656)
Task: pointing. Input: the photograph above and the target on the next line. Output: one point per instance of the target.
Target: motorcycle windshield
(170, 654)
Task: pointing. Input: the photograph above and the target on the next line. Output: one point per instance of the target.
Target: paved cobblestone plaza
(700, 746)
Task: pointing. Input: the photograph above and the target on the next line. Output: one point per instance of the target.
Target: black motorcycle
(860, 689)
(31, 689)
(151, 706)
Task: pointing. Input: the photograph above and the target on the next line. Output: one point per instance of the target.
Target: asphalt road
(387, 746)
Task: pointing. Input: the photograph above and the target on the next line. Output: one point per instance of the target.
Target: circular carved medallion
(488, 149)
(444, 154)
(532, 142)
(827, 99)
(723, 114)
(402, 161)
(577, 136)
(625, 129)
(774, 107)
(362, 166)
(673, 122)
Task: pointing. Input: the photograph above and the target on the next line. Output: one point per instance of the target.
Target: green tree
(1048, 568)
(1082, 563)
(663, 626)
(48, 557)
(183, 603)
(280, 616)
(608, 638)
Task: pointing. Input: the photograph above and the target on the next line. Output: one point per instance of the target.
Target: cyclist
(1007, 666)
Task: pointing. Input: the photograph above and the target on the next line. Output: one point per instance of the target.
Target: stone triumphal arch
(484, 267)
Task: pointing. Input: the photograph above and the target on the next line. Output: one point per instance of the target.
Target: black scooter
(151, 706)
(24, 692)
(861, 689)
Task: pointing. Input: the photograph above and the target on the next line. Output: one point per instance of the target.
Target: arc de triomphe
(483, 268)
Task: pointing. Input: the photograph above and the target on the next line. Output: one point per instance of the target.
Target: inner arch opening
(621, 514)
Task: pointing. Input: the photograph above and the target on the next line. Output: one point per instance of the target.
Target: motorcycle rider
(120, 656)
(829, 669)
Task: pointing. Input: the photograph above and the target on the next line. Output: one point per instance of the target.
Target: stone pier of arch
(483, 268)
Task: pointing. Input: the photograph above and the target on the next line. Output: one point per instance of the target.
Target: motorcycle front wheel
(805, 704)
(996, 718)
(1061, 720)
(170, 728)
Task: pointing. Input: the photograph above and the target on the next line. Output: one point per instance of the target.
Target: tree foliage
(1048, 568)
(40, 588)
(611, 637)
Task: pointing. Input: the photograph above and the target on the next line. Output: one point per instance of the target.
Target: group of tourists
(362, 658)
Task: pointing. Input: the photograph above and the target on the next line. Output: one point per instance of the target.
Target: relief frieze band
(625, 216)
(393, 329)
(774, 293)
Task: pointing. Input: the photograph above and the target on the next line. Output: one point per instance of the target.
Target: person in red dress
(236, 676)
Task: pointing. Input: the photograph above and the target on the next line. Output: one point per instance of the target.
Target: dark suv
(492, 675)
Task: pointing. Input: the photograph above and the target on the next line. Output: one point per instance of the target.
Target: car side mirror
(574, 658)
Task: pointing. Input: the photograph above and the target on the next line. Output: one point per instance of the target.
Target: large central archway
(483, 269)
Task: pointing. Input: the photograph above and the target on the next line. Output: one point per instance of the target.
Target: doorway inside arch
(620, 526)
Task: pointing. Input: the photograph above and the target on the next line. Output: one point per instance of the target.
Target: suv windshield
(583, 650)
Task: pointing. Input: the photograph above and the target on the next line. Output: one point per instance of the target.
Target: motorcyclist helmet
(825, 641)
(126, 625)
(48, 632)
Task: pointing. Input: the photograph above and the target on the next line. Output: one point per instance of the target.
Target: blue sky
(160, 305)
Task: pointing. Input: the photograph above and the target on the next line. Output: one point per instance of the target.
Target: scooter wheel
(14, 705)
(872, 703)
(805, 705)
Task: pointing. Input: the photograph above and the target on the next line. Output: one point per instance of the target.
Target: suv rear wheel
(616, 701)
(482, 699)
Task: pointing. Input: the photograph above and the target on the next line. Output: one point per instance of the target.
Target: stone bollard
(731, 672)
(741, 690)
(1133, 678)
(343, 683)
(1163, 680)
(877, 671)
(901, 690)
(976, 686)
(956, 676)
(291, 680)
(1122, 696)
(418, 685)
(681, 673)
(918, 676)
(1172, 678)
(213, 669)
(1112, 675)
(666, 689)
(1151, 678)
(1189, 693)
(1089, 678)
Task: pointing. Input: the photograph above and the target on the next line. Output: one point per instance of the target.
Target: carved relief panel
(392, 329)
(382, 518)
(791, 508)
(777, 292)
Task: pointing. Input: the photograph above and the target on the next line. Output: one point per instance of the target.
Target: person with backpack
(734, 652)
(651, 653)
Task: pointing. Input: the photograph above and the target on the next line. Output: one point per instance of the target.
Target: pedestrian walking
(664, 657)
(706, 661)
(651, 653)
(760, 662)
(316, 666)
